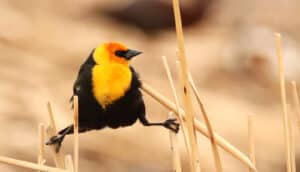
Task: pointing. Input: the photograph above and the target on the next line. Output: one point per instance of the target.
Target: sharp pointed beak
(131, 53)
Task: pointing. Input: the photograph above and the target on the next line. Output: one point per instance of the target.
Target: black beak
(131, 53)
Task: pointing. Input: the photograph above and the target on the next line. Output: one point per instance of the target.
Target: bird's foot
(172, 125)
(56, 141)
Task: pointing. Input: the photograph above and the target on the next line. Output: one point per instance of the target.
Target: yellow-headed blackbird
(108, 91)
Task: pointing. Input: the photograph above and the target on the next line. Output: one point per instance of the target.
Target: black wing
(135, 82)
(83, 72)
(83, 85)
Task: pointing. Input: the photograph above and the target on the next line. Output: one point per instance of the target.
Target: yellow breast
(110, 82)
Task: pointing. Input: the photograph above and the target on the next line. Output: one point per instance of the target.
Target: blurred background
(230, 51)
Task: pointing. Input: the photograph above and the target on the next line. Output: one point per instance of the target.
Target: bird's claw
(56, 141)
(172, 125)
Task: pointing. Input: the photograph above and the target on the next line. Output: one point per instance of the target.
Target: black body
(123, 112)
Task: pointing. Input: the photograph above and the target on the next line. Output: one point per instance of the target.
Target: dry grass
(76, 135)
(186, 92)
(215, 150)
(286, 119)
(41, 151)
(52, 131)
(69, 163)
(185, 116)
(251, 139)
(175, 149)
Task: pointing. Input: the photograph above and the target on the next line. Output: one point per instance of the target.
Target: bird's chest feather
(110, 82)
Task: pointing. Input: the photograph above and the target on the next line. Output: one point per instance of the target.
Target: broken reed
(286, 121)
(175, 149)
(29, 165)
(251, 140)
(194, 157)
(199, 126)
(52, 131)
(216, 154)
(69, 163)
(76, 137)
(175, 97)
(41, 145)
(296, 103)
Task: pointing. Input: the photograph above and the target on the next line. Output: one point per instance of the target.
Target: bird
(109, 95)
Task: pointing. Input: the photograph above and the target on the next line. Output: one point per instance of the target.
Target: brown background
(230, 52)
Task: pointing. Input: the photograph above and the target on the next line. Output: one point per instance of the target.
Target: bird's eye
(120, 53)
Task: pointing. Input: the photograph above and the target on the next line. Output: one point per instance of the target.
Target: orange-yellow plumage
(110, 82)
(111, 76)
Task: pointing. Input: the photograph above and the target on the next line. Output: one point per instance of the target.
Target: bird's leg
(170, 124)
(57, 140)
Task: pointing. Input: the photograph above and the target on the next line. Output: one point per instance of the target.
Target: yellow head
(113, 52)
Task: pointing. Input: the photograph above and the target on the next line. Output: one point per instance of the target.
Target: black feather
(123, 112)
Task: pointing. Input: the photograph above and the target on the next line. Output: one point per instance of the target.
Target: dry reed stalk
(76, 137)
(283, 102)
(175, 97)
(178, 107)
(52, 131)
(293, 154)
(51, 116)
(210, 130)
(69, 163)
(198, 125)
(41, 148)
(29, 165)
(292, 139)
(251, 140)
(297, 106)
(296, 103)
(175, 149)
(194, 158)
